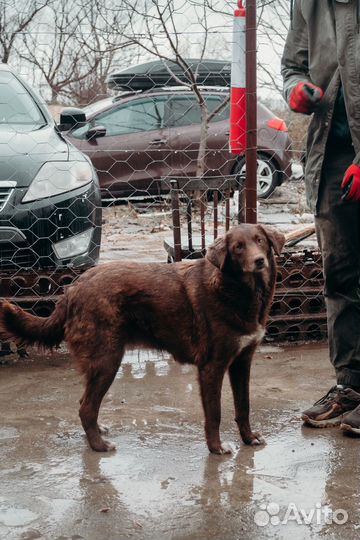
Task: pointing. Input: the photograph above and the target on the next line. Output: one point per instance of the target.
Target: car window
(185, 110)
(17, 106)
(97, 106)
(133, 117)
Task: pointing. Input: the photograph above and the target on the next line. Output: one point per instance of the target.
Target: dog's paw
(103, 446)
(254, 439)
(221, 449)
(103, 429)
(110, 447)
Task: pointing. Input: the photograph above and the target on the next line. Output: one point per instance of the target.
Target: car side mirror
(95, 132)
(71, 117)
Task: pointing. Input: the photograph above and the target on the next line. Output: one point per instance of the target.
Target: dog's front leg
(211, 378)
(239, 373)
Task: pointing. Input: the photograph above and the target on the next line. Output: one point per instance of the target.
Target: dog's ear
(217, 252)
(275, 237)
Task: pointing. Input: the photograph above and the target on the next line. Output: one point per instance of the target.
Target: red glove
(305, 97)
(351, 184)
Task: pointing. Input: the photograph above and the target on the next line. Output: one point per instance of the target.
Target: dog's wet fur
(210, 312)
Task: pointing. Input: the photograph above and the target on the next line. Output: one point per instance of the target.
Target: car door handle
(155, 142)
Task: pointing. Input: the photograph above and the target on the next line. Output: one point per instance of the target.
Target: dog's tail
(25, 329)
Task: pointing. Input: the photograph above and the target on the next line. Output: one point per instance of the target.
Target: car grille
(12, 256)
(6, 189)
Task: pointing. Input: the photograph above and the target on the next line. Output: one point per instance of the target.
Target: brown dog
(210, 312)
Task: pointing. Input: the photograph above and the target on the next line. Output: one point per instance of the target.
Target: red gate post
(251, 114)
(238, 97)
(238, 83)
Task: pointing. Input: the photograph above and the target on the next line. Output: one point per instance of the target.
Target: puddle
(8, 433)
(15, 516)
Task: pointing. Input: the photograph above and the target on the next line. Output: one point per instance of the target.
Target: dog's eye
(259, 240)
(240, 245)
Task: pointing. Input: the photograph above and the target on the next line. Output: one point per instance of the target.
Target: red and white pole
(238, 83)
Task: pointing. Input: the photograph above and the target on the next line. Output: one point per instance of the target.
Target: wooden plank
(299, 234)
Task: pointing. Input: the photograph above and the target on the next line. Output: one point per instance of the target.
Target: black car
(50, 209)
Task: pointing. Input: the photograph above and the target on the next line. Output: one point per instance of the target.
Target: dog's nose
(260, 263)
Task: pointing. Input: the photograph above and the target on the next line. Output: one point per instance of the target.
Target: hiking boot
(329, 410)
(351, 421)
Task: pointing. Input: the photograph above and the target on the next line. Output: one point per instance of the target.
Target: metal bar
(209, 183)
(189, 222)
(241, 203)
(176, 220)
(227, 210)
(202, 219)
(216, 200)
(251, 114)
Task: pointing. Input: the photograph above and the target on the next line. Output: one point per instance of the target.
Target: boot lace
(332, 394)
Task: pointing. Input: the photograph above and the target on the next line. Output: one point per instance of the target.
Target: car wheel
(267, 175)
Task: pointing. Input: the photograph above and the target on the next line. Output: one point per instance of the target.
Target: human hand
(305, 97)
(351, 184)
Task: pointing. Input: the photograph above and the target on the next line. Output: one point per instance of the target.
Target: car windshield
(18, 109)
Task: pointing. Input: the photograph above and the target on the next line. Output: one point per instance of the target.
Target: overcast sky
(190, 21)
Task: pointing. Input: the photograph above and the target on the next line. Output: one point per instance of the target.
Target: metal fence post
(251, 114)
(174, 191)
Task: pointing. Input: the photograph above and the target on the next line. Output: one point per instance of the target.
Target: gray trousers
(338, 232)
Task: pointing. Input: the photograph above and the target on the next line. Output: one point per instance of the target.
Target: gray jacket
(323, 47)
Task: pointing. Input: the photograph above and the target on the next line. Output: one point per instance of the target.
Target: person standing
(321, 74)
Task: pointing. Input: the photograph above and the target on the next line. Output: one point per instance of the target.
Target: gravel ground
(136, 231)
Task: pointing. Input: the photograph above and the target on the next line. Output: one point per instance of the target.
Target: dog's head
(246, 249)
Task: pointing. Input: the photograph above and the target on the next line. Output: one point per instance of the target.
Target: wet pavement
(161, 483)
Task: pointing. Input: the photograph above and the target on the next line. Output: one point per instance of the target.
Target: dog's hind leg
(99, 377)
(239, 373)
(210, 379)
(103, 429)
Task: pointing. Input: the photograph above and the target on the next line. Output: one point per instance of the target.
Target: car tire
(268, 174)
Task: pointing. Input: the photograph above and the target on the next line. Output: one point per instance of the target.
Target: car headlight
(56, 177)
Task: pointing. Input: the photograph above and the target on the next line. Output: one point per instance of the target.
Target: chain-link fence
(132, 162)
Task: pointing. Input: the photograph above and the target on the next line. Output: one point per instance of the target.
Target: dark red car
(139, 137)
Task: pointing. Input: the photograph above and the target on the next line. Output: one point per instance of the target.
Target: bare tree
(73, 50)
(103, 35)
(161, 36)
(274, 18)
(15, 18)
(273, 22)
